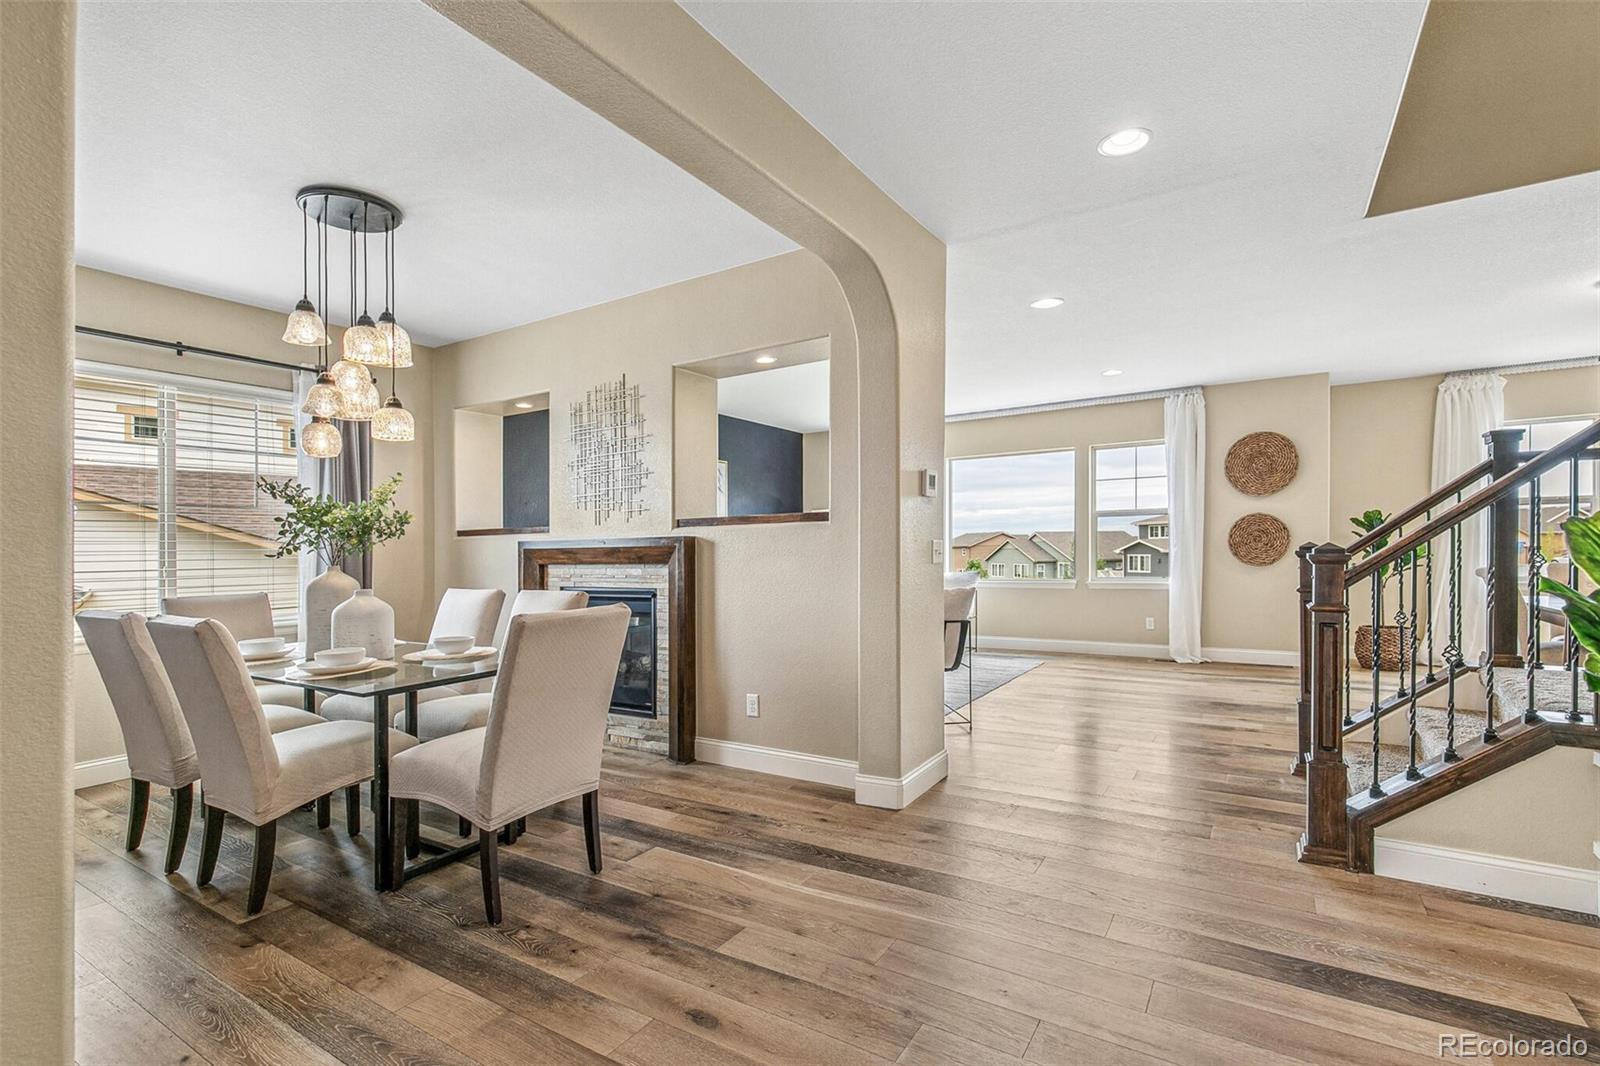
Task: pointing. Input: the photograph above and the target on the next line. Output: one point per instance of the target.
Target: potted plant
(1388, 636)
(1582, 609)
(334, 530)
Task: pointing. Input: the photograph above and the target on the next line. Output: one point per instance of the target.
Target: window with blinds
(165, 502)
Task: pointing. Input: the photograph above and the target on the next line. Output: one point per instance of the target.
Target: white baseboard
(820, 769)
(1567, 887)
(99, 771)
(1132, 650)
(898, 793)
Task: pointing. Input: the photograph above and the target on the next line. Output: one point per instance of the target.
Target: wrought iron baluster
(1376, 790)
(1452, 648)
(1400, 616)
(1489, 699)
(1412, 773)
(1348, 673)
(1428, 562)
(1530, 714)
(1573, 714)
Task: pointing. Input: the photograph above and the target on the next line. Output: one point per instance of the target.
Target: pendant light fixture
(305, 325)
(347, 390)
(393, 422)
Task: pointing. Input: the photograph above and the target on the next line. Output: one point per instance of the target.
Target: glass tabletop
(403, 676)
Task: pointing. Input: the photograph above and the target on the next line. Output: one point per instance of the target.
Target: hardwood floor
(1107, 877)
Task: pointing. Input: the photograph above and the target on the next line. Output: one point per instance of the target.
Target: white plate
(312, 668)
(435, 657)
(288, 651)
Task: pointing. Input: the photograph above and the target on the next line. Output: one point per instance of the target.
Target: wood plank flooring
(1107, 877)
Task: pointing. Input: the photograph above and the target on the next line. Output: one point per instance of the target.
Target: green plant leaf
(1583, 542)
(1591, 671)
(1575, 602)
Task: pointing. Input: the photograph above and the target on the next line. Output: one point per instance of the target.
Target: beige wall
(777, 602)
(1254, 607)
(479, 470)
(109, 301)
(694, 445)
(1545, 809)
(1246, 608)
(656, 74)
(814, 471)
(36, 161)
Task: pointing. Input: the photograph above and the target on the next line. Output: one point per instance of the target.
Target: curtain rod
(1531, 368)
(1067, 405)
(181, 349)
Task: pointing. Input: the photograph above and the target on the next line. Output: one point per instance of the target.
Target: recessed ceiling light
(524, 405)
(1125, 142)
(1110, 373)
(1045, 303)
(766, 360)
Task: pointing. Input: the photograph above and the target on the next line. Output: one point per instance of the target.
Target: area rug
(989, 672)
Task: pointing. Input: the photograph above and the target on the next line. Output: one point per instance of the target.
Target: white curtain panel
(1469, 405)
(1185, 417)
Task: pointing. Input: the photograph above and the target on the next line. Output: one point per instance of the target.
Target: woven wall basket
(1258, 539)
(1260, 464)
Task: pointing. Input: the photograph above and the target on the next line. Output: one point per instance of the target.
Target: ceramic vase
(323, 593)
(365, 621)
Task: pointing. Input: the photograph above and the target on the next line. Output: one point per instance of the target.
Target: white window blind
(164, 491)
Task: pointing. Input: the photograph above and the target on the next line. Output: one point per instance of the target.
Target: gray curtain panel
(350, 477)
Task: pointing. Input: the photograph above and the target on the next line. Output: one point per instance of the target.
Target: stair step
(1393, 752)
(1552, 691)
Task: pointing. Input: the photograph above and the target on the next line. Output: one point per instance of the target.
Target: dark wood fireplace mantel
(535, 557)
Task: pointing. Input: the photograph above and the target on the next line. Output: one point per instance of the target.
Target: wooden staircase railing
(1431, 657)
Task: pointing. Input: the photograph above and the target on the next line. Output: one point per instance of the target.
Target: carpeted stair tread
(1394, 752)
(1552, 691)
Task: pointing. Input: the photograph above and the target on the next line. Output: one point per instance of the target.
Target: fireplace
(635, 691)
(624, 571)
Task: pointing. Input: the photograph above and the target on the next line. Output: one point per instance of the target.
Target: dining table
(399, 677)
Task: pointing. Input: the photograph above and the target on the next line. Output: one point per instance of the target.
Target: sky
(1023, 494)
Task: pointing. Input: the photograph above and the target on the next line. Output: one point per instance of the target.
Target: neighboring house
(1039, 556)
(969, 546)
(1146, 554)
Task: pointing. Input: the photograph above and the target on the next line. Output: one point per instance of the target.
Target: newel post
(1327, 837)
(1504, 647)
(1303, 704)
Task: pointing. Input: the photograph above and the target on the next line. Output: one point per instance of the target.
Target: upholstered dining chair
(251, 772)
(959, 602)
(540, 601)
(248, 616)
(154, 732)
(542, 744)
(462, 612)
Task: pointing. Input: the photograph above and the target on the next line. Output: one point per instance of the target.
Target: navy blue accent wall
(525, 470)
(765, 467)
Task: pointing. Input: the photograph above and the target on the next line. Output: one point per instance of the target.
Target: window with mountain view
(1011, 516)
(1132, 524)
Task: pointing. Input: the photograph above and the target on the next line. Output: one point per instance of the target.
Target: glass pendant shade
(321, 439)
(363, 343)
(348, 376)
(399, 341)
(360, 405)
(323, 400)
(305, 326)
(393, 422)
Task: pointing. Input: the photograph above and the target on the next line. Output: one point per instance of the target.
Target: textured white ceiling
(198, 121)
(1232, 248)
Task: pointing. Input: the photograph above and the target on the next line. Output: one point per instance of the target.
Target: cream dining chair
(154, 731)
(462, 612)
(251, 772)
(248, 616)
(542, 743)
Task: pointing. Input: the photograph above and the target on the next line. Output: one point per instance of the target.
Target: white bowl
(452, 645)
(334, 657)
(262, 647)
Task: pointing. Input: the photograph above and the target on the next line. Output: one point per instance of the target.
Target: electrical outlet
(1149, 623)
(752, 705)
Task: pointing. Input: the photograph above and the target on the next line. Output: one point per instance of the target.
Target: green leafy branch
(330, 528)
(1582, 611)
(1371, 519)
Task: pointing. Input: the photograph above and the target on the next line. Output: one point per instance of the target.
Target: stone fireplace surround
(665, 564)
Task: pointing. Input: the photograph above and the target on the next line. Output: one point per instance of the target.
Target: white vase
(365, 621)
(323, 593)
